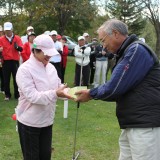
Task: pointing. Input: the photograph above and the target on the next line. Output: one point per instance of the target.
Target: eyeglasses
(103, 39)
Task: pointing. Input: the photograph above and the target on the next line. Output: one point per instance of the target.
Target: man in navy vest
(135, 87)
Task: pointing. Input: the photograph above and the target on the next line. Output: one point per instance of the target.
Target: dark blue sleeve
(98, 51)
(127, 74)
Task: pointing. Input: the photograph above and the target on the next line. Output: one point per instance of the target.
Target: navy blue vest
(140, 106)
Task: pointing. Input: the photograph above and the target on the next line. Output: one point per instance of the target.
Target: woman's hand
(62, 92)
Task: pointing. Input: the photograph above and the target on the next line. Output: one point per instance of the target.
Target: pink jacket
(37, 84)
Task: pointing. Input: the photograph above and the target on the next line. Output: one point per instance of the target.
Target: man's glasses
(103, 39)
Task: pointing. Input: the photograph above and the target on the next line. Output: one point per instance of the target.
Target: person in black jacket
(135, 87)
(92, 62)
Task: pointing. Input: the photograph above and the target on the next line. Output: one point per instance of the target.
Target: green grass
(97, 132)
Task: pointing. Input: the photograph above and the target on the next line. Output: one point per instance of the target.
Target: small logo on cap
(34, 45)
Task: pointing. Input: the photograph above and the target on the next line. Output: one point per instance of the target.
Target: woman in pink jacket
(39, 87)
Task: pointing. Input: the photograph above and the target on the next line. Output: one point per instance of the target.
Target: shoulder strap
(156, 60)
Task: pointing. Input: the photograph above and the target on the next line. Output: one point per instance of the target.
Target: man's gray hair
(114, 24)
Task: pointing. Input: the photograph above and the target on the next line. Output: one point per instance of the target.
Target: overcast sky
(101, 3)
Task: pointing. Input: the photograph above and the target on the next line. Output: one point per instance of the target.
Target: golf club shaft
(78, 105)
(76, 156)
(75, 135)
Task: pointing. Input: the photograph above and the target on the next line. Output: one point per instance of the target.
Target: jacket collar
(132, 38)
(35, 61)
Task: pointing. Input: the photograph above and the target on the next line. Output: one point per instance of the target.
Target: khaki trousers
(140, 144)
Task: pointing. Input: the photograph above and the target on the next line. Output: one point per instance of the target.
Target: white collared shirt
(9, 38)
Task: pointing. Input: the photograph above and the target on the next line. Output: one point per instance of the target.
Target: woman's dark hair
(36, 50)
(64, 38)
(31, 34)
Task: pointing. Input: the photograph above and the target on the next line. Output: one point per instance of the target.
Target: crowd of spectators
(90, 62)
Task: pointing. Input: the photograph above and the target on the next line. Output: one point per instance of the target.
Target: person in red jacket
(10, 46)
(27, 47)
(1, 63)
(64, 57)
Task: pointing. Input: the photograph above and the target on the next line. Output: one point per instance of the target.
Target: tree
(149, 34)
(69, 13)
(128, 11)
(66, 16)
(96, 23)
(153, 13)
(15, 12)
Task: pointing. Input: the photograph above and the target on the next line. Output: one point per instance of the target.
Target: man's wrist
(89, 96)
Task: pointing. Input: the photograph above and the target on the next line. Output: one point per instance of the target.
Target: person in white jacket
(39, 87)
(82, 62)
